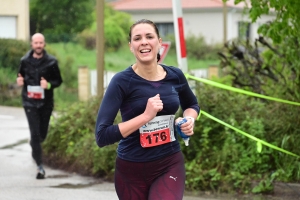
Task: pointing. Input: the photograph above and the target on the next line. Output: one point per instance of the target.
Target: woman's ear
(160, 42)
(130, 47)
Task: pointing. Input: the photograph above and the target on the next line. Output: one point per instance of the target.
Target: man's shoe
(41, 173)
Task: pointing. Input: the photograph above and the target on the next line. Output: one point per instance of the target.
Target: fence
(87, 79)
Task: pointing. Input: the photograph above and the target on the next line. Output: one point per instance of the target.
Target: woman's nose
(144, 41)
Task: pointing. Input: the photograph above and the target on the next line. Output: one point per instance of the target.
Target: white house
(14, 19)
(201, 17)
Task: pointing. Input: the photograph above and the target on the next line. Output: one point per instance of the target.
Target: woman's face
(145, 43)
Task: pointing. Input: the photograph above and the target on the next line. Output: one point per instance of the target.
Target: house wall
(208, 24)
(234, 16)
(18, 10)
(205, 22)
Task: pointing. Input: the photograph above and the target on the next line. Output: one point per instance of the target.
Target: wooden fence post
(83, 83)
(213, 70)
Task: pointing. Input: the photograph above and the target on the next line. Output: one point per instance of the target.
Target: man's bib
(158, 131)
(35, 92)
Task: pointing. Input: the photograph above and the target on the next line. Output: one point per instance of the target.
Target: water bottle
(182, 135)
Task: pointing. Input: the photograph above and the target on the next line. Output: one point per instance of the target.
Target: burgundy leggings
(162, 179)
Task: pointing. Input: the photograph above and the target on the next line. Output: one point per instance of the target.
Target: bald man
(38, 74)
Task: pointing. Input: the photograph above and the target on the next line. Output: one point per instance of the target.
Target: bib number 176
(155, 138)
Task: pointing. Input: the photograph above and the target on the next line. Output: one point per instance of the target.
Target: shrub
(87, 39)
(261, 67)
(11, 51)
(9, 91)
(115, 36)
(71, 145)
(221, 159)
(116, 26)
(196, 47)
(199, 49)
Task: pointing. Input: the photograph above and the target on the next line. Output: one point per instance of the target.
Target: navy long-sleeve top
(129, 93)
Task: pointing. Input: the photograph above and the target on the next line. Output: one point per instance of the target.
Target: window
(244, 30)
(8, 27)
(165, 29)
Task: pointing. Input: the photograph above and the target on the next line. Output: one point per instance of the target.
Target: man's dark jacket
(33, 70)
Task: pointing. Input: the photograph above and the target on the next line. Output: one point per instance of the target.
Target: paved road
(18, 171)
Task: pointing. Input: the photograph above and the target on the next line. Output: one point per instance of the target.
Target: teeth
(145, 50)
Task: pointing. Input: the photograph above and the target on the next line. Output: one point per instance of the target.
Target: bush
(115, 37)
(116, 27)
(87, 39)
(71, 145)
(11, 51)
(223, 160)
(199, 49)
(9, 91)
(261, 67)
(55, 37)
(196, 47)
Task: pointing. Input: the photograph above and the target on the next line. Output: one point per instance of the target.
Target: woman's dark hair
(145, 21)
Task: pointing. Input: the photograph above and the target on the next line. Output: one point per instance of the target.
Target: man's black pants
(38, 120)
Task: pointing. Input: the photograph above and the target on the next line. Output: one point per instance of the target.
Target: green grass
(7, 76)
(116, 60)
(64, 98)
(81, 56)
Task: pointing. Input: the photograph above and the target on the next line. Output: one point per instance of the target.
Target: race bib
(35, 92)
(158, 131)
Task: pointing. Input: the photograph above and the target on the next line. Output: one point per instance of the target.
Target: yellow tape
(233, 89)
(226, 87)
(259, 147)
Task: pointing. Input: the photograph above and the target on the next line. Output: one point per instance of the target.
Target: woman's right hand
(154, 105)
(20, 80)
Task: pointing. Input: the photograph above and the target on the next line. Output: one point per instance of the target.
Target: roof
(124, 5)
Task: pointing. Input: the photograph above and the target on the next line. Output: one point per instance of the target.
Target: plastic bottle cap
(186, 141)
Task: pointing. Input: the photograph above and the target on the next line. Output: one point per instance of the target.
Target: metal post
(224, 22)
(100, 47)
(179, 35)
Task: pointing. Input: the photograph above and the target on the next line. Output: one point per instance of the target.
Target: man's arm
(20, 77)
(56, 79)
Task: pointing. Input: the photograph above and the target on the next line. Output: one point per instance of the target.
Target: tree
(116, 27)
(60, 19)
(283, 54)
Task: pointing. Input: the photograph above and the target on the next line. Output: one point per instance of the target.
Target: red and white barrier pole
(179, 35)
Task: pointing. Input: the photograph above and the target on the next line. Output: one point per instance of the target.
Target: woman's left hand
(188, 127)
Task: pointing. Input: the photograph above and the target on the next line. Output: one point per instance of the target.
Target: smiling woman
(147, 92)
